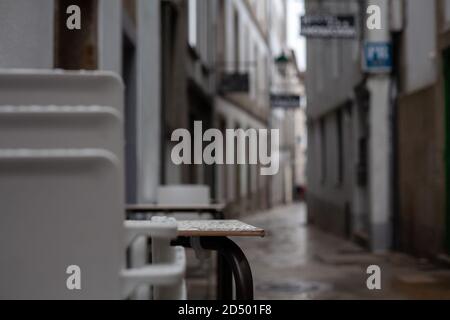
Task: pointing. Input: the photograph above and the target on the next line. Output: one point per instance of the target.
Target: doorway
(446, 62)
(129, 78)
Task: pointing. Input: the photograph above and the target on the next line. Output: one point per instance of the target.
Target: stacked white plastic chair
(185, 195)
(62, 192)
(201, 265)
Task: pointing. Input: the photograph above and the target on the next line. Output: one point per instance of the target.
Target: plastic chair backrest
(61, 184)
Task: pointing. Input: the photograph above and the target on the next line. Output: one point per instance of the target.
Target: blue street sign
(377, 57)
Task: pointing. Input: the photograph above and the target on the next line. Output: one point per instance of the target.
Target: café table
(216, 235)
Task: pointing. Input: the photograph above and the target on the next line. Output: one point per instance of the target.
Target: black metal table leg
(232, 259)
(224, 279)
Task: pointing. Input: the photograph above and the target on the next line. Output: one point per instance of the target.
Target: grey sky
(296, 8)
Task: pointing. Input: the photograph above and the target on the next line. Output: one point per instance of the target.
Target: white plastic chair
(30, 87)
(52, 219)
(61, 109)
(200, 265)
(62, 187)
(188, 195)
(60, 208)
(41, 127)
(167, 272)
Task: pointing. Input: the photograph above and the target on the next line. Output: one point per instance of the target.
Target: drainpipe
(380, 219)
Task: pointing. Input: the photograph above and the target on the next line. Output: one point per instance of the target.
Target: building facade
(243, 51)
(217, 61)
(422, 127)
(188, 80)
(378, 142)
(173, 57)
(350, 129)
(337, 141)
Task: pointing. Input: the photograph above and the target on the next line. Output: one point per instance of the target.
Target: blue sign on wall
(378, 57)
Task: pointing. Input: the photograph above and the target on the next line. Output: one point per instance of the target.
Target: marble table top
(217, 228)
(175, 208)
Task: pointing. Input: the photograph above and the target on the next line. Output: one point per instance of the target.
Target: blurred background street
(297, 261)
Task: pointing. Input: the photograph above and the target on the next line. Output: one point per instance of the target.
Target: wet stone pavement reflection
(297, 261)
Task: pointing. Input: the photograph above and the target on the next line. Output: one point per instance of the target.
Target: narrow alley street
(147, 146)
(297, 261)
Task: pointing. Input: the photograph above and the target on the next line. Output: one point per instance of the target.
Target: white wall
(26, 34)
(333, 65)
(235, 117)
(110, 35)
(420, 44)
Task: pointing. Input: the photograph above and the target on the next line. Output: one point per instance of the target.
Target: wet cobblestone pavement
(296, 261)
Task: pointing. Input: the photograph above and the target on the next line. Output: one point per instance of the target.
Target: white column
(148, 118)
(149, 99)
(110, 35)
(380, 144)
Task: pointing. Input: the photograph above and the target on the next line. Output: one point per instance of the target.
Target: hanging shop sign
(378, 57)
(235, 82)
(328, 26)
(285, 101)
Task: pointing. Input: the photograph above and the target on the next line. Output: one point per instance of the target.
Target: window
(255, 66)
(192, 20)
(340, 147)
(247, 45)
(220, 35)
(237, 48)
(204, 29)
(323, 151)
(336, 57)
(320, 66)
